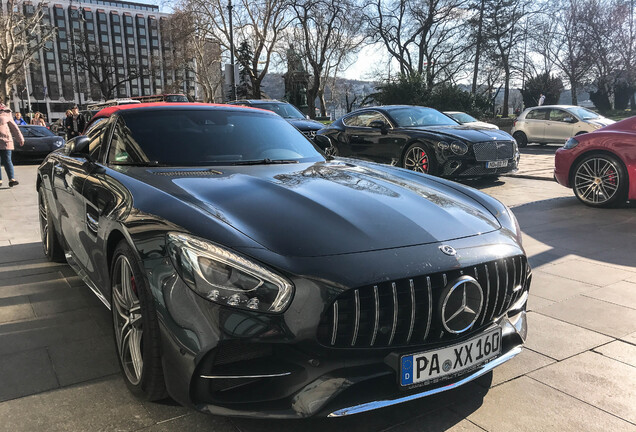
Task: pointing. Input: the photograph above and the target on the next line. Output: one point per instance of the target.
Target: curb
(529, 176)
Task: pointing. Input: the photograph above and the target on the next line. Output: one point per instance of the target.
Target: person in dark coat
(74, 124)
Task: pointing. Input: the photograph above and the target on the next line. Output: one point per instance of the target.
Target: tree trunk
(573, 89)
(504, 109)
(478, 48)
(323, 105)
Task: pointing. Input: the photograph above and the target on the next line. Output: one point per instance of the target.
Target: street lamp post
(233, 78)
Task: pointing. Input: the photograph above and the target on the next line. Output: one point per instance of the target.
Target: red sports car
(600, 166)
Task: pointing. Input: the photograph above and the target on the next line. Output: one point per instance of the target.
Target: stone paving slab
(55, 330)
(528, 405)
(560, 340)
(600, 381)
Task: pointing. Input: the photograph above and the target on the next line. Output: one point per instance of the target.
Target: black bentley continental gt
(250, 275)
(423, 140)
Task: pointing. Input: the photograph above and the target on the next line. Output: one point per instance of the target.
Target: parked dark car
(600, 166)
(289, 112)
(421, 139)
(38, 141)
(249, 275)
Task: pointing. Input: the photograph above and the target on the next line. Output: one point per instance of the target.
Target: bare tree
(624, 43)
(562, 39)
(196, 52)
(504, 35)
(425, 37)
(330, 31)
(22, 34)
(260, 23)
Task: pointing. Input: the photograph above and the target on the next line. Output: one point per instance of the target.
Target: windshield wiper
(266, 161)
(140, 164)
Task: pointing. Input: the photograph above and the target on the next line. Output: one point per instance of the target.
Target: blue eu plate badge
(407, 370)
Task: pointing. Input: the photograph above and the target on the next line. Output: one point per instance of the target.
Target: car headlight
(59, 143)
(459, 148)
(571, 143)
(443, 145)
(509, 221)
(226, 278)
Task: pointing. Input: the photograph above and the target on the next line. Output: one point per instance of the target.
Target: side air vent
(187, 173)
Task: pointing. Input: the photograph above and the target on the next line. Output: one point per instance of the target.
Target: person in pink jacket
(9, 134)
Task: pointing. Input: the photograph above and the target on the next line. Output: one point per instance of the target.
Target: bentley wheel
(419, 158)
(521, 138)
(136, 327)
(600, 180)
(50, 244)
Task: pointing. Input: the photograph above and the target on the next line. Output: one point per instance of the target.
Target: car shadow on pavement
(559, 227)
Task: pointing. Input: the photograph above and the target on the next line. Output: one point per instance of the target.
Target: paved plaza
(59, 372)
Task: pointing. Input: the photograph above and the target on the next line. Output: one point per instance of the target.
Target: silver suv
(555, 124)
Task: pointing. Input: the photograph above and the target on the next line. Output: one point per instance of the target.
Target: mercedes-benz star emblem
(461, 304)
(448, 250)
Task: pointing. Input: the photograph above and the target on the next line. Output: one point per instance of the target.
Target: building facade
(102, 50)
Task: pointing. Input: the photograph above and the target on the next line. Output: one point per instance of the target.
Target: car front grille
(309, 133)
(407, 311)
(493, 150)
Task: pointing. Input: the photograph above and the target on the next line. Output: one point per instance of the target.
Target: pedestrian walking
(9, 134)
(541, 99)
(19, 120)
(38, 120)
(74, 124)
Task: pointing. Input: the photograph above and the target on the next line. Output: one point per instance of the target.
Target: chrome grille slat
(377, 314)
(412, 323)
(335, 323)
(494, 306)
(483, 318)
(395, 312)
(429, 289)
(392, 313)
(357, 322)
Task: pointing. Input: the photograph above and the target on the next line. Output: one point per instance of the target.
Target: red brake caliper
(133, 285)
(424, 164)
(612, 177)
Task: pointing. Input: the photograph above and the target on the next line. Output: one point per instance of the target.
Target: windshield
(36, 131)
(462, 117)
(419, 116)
(285, 110)
(584, 114)
(206, 137)
(177, 98)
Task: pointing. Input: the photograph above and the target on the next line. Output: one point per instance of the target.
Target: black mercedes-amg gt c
(248, 274)
(423, 140)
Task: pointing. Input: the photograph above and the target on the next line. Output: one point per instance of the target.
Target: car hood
(465, 132)
(305, 124)
(327, 208)
(601, 121)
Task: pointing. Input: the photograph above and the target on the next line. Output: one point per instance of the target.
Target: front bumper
(247, 365)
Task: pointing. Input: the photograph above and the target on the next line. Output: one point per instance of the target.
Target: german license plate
(431, 366)
(497, 164)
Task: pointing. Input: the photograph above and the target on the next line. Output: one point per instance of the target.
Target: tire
(136, 328)
(51, 246)
(600, 180)
(419, 157)
(521, 138)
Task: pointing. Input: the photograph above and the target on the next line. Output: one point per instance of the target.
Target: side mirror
(379, 124)
(78, 147)
(322, 141)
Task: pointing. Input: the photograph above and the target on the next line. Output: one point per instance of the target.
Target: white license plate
(497, 164)
(432, 366)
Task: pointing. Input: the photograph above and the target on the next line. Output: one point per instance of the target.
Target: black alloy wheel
(419, 158)
(521, 138)
(136, 327)
(600, 180)
(50, 244)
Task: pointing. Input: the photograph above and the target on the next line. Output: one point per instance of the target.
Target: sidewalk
(537, 162)
(59, 371)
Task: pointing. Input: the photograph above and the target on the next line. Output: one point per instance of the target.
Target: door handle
(59, 170)
(92, 223)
